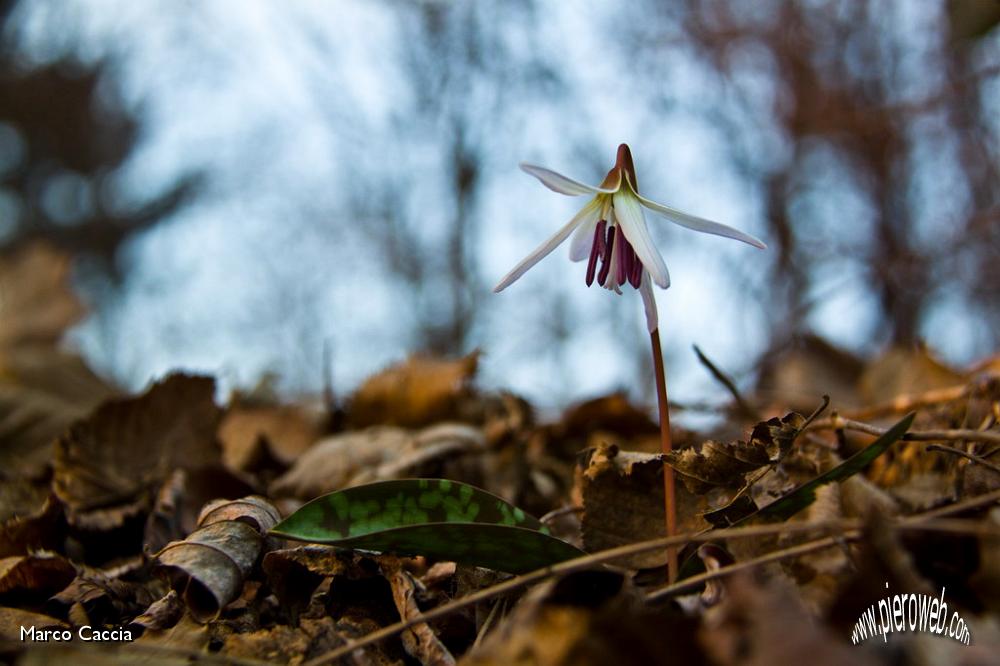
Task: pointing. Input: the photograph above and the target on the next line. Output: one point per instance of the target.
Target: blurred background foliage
(245, 184)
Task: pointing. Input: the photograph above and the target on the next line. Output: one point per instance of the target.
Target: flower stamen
(596, 250)
(609, 247)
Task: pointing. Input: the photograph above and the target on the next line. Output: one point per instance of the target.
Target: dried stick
(932, 525)
(956, 435)
(958, 452)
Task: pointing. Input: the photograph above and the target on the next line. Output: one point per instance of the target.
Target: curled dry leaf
(622, 494)
(415, 393)
(180, 499)
(108, 466)
(376, 454)
(208, 568)
(718, 464)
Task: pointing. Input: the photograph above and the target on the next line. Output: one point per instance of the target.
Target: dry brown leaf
(181, 498)
(108, 466)
(41, 530)
(622, 495)
(287, 430)
(12, 619)
(208, 568)
(414, 393)
(376, 454)
(37, 576)
(294, 574)
(717, 464)
(161, 614)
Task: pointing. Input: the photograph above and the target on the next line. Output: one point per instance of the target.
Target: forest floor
(139, 527)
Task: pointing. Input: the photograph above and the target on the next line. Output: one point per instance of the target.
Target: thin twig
(784, 553)
(745, 409)
(947, 526)
(956, 435)
(958, 452)
(666, 445)
(588, 561)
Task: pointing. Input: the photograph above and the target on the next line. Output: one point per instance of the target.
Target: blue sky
(258, 274)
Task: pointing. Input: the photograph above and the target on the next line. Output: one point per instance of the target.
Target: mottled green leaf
(437, 518)
(804, 495)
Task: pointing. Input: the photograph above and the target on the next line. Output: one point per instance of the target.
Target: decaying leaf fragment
(108, 466)
(727, 465)
(208, 567)
(622, 494)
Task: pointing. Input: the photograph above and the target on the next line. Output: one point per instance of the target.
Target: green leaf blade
(437, 518)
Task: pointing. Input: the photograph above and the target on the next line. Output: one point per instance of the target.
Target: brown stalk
(666, 445)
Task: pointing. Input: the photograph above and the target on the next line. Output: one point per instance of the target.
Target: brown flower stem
(666, 445)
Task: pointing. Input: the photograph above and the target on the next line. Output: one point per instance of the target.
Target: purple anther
(623, 268)
(635, 277)
(595, 252)
(609, 247)
(599, 234)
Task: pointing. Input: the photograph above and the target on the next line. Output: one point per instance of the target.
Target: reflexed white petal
(700, 224)
(633, 225)
(649, 303)
(560, 183)
(543, 250)
(583, 237)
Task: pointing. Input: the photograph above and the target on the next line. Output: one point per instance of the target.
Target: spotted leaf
(437, 518)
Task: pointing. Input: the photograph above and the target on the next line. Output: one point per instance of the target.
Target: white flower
(610, 231)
